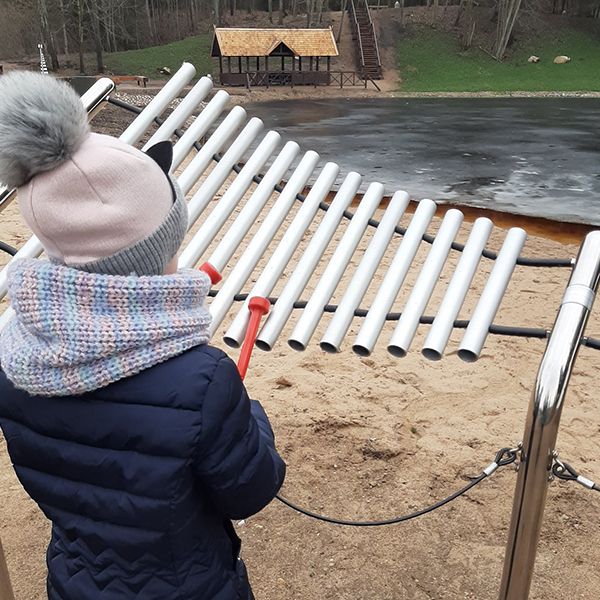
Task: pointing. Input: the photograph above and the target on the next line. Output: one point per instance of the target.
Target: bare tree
(507, 16)
(47, 33)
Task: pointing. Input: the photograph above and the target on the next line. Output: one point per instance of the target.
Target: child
(136, 439)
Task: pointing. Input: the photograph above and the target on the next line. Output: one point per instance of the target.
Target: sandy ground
(368, 438)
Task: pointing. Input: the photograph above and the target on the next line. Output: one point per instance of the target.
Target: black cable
(522, 260)
(563, 470)
(391, 521)
(504, 457)
(7, 248)
(506, 330)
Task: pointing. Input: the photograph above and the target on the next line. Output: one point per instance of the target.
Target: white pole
(215, 142)
(252, 254)
(440, 331)
(6, 316)
(406, 328)
(213, 182)
(32, 248)
(307, 263)
(284, 251)
(159, 103)
(488, 304)
(338, 263)
(213, 223)
(340, 322)
(199, 127)
(393, 280)
(181, 113)
(240, 227)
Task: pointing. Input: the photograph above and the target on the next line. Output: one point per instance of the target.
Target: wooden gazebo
(266, 57)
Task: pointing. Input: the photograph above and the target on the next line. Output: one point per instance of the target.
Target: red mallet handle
(214, 275)
(258, 307)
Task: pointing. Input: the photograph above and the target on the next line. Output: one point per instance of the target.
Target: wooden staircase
(363, 32)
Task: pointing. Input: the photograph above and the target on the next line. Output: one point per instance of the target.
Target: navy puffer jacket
(141, 478)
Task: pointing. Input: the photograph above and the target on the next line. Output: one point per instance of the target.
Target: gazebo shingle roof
(261, 42)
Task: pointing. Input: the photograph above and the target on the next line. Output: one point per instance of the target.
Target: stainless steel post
(543, 419)
(6, 592)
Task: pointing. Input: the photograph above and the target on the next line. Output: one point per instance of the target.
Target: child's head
(96, 203)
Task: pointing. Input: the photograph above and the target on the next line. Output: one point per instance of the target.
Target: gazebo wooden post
(317, 63)
(267, 69)
(6, 592)
(310, 64)
(220, 64)
(239, 64)
(300, 63)
(229, 64)
(247, 64)
(328, 64)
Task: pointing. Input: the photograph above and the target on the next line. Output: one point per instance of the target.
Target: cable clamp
(505, 456)
(563, 470)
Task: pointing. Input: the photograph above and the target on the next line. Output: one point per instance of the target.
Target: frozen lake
(532, 156)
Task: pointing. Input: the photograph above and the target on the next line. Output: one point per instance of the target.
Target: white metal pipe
(266, 232)
(440, 331)
(182, 112)
(311, 315)
(306, 265)
(284, 251)
(406, 328)
(215, 142)
(393, 279)
(32, 248)
(159, 103)
(226, 205)
(247, 216)
(6, 316)
(213, 182)
(199, 127)
(93, 100)
(487, 307)
(340, 322)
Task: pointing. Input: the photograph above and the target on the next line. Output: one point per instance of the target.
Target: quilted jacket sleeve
(236, 458)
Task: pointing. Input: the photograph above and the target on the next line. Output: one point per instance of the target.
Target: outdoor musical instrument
(281, 219)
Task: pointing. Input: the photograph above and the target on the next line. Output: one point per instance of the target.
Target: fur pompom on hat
(40, 126)
(96, 203)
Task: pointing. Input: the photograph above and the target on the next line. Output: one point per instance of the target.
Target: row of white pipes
(232, 138)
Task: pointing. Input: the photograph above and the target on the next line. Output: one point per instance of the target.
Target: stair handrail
(374, 33)
(360, 45)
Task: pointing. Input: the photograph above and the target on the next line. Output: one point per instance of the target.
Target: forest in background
(72, 28)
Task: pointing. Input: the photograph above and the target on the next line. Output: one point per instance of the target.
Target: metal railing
(543, 419)
(374, 34)
(356, 27)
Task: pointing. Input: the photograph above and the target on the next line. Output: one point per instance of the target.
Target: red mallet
(214, 275)
(258, 307)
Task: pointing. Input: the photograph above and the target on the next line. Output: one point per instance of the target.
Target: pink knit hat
(96, 203)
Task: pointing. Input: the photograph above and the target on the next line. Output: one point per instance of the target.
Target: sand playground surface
(376, 437)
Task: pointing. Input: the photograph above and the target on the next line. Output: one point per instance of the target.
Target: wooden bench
(141, 80)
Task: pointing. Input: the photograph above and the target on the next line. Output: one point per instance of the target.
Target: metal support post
(6, 592)
(543, 419)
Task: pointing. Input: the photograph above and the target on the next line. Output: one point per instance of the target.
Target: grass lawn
(432, 61)
(147, 61)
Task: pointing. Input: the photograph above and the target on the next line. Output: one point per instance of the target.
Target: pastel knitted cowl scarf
(75, 332)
